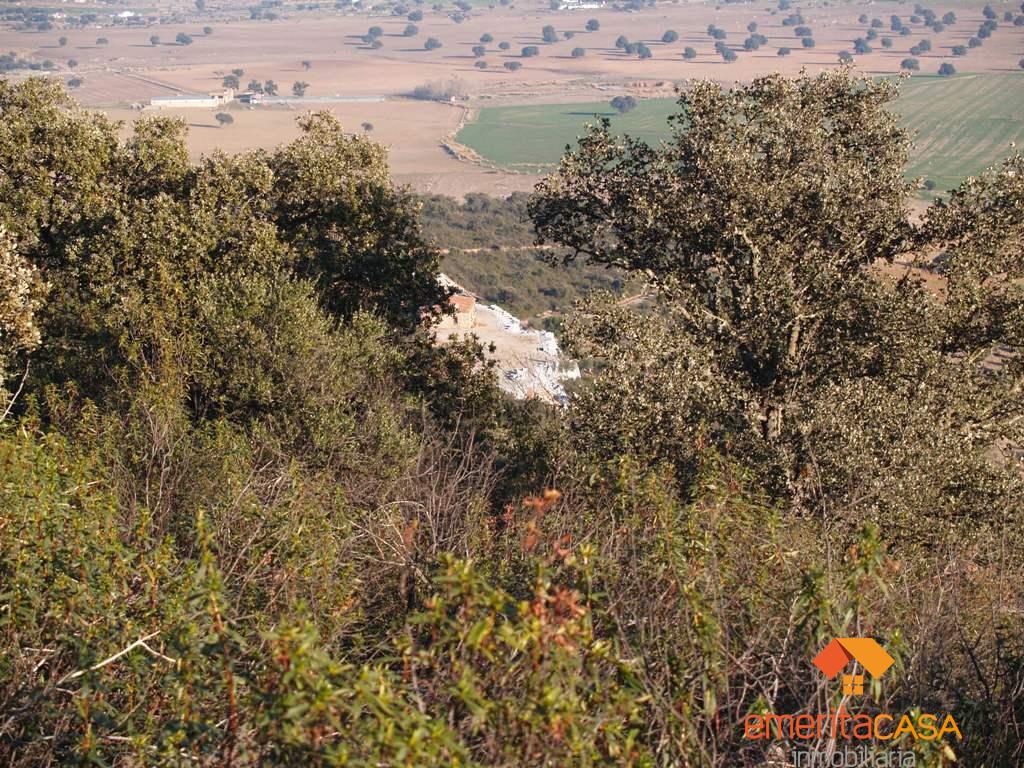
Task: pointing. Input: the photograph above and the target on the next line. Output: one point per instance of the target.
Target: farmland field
(578, 58)
(532, 138)
(960, 125)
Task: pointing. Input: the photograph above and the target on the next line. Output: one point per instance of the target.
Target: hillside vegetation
(489, 249)
(250, 515)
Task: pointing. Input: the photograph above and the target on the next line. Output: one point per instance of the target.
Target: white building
(193, 101)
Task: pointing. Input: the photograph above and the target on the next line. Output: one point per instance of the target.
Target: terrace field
(961, 124)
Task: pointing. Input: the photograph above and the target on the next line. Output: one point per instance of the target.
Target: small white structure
(193, 101)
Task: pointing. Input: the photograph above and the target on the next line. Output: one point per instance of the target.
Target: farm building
(188, 101)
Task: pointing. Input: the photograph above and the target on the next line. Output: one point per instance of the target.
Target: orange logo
(836, 655)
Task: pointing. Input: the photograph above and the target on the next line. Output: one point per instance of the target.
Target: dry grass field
(129, 70)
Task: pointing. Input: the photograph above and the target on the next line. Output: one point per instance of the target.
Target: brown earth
(129, 70)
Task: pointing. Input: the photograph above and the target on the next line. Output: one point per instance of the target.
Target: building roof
(197, 97)
(462, 303)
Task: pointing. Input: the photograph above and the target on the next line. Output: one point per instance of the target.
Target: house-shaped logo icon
(841, 651)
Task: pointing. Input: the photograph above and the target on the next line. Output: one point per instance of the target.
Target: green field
(532, 139)
(960, 124)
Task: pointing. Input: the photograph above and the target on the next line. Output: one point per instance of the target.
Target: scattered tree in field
(549, 35)
(411, 30)
(670, 36)
(752, 27)
(593, 25)
(238, 72)
(643, 51)
(270, 88)
(803, 32)
(230, 81)
(959, 50)
(886, 42)
(729, 55)
(863, 18)
(579, 53)
(871, 34)
(480, 64)
(784, 52)
(254, 85)
(845, 57)
(689, 52)
(876, 23)
(223, 118)
(861, 46)
(416, 15)
(512, 66)
(910, 64)
(432, 44)
(479, 51)
(504, 46)
(62, 41)
(486, 38)
(1021, 63)
(207, 31)
(807, 42)
(75, 82)
(988, 12)
(949, 19)
(373, 33)
(367, 127)
(623, 104)
(72, 63)
(719, 34)
(183, 39)
(946, 69)
(307, 65)
(530, 51)
(621, 41)
(974, 42)
(154, 40)
(102, 41)
(299, 88)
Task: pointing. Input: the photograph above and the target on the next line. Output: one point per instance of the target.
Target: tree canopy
(762, 223)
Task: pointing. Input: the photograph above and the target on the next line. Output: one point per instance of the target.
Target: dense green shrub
(251, 515)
